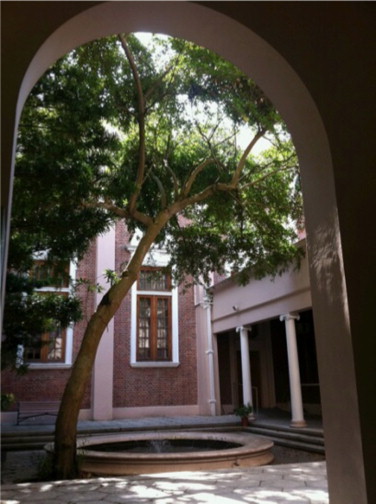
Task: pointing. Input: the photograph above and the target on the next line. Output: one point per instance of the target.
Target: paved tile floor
(290, 484)
(293, 483)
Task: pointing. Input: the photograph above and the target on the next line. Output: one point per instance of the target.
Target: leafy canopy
(121, 129)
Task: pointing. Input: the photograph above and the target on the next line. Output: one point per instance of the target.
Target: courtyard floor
(291, 483)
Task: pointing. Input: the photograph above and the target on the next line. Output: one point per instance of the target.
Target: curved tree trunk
(66, 425)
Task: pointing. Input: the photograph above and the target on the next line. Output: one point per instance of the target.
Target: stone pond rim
(247, 450)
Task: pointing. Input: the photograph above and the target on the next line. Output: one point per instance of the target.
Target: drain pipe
(210, 353)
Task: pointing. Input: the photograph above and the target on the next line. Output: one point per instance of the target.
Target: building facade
(172, 350)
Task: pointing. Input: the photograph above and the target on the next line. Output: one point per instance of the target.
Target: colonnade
(297, 415)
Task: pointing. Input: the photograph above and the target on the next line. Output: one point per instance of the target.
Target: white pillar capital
(289, 316)
(239, 329)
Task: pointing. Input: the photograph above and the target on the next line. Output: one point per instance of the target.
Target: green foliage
(63, 147)
(6, 401)
(107, 134)
(28, 314)
(111, 276)
(251, 232)
(209, 78)
(244, 410)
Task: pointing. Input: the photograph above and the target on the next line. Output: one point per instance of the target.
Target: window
(153, 316)
(58, 274)
(154, 328)
(51, 348)
(154, 320)
(153, 279)
(56, 346)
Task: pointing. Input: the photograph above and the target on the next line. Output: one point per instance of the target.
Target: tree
(58, 150)
(155, 140)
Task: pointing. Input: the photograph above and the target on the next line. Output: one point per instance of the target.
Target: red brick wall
(132, 387)
(122, 322)
(49, 384)
(154, 386)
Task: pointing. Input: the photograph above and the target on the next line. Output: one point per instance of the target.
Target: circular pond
(152, 452)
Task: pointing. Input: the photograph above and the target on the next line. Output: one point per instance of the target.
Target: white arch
(250, 53)
(284, 87)
(205, 27)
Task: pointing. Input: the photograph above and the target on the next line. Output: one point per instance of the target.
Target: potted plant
(6, 401)
(243, 412)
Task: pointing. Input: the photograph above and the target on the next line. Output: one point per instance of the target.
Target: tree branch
(120, 212)
(106, 205)
(174, 178)
(217, 187)
(161, 190)
(252, 143)
(188, 185)
(267, 175)
(156, 83)
(178, 206)
(141, 217)
(207, 139)
(141, 124)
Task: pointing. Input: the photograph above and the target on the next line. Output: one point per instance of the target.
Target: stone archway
(257, 58)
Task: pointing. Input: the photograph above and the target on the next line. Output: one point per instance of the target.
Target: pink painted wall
(260, 300)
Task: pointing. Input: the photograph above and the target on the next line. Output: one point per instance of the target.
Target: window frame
(155, 269)
(41, 270)
(173, 345)
(153, 329)
(45, 350)
(67, 359)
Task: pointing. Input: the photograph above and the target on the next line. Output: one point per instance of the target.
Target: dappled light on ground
(290, 484)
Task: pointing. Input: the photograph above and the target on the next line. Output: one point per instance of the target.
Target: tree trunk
(65, 466)
(66, 423)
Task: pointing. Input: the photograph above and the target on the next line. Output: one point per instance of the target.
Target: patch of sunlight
(190, 475)
(182, 485)
(121, 484)
(317, 496)
(203, 498)
(146, 492)
(276, 497)
(46, 487)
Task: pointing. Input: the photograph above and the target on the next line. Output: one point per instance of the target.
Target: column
(210, 353)
(102, 381)
(246, 366)
(297, 416)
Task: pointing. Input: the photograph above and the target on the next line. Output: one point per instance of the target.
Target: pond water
(164, 446)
